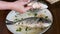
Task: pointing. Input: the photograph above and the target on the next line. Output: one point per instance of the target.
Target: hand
(17, 5)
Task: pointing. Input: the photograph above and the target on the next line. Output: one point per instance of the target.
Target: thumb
(23, 10)
(19, 10)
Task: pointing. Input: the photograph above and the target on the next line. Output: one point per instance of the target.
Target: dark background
(55, 28)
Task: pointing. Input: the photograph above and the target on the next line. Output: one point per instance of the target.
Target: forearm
(5, 5)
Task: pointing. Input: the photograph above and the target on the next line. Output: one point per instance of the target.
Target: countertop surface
(55, 28)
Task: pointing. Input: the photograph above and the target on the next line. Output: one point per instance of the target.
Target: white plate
(11, 17)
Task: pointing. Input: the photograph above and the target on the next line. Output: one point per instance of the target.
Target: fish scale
(26, 20)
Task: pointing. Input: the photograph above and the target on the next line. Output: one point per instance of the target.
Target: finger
(24, 0)
(20, 10)
(27, 8)
(23, 3)
(23, 10)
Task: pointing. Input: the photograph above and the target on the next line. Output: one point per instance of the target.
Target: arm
(5, 5)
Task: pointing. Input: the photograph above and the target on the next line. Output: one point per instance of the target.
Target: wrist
(10, 6)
